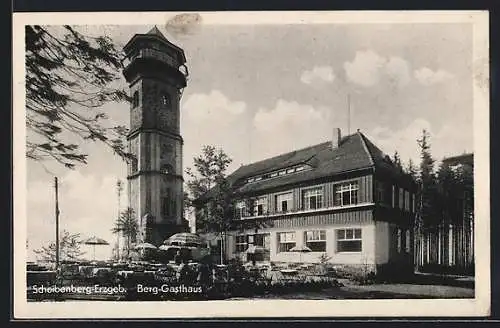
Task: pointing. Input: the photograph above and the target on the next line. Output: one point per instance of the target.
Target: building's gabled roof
(355, 152)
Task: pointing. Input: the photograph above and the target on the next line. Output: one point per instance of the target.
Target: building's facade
(154, 71)
(343, 198)
(449, 246)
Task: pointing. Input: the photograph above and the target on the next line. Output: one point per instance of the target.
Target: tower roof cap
(156, 31)
(156, 34)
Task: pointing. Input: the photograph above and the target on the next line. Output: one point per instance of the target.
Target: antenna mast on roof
(348, 114)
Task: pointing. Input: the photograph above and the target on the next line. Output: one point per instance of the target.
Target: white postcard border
(479, 306)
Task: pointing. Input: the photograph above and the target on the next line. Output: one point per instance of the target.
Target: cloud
(427, 77)
(369, 68)
(448, 140)
(211, 106)
(289, 126)
(318, 74)
(403, 140)
(214, 119)
(398, 71)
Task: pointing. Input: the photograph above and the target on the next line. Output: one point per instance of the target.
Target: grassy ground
(380, 291)
(423, 287)
(413, 290)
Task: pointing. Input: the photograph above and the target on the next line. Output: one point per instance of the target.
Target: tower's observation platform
(152, 53)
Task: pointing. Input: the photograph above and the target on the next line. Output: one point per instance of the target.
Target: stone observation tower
(156, 73)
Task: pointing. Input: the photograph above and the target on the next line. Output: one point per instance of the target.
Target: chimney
(336, 138)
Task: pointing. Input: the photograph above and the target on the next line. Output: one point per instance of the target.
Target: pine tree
(453, 186)
(428, 213)
(446, 183)
(69, 76)
(127, 226)
(411, 170)
(397, 161)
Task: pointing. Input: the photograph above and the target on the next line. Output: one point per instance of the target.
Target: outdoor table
(258, 269)
(125, 273)
(100, 270)
(85, 270)
(306, 266)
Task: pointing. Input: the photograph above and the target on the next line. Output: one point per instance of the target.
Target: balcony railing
(325, 206)
(152, 53)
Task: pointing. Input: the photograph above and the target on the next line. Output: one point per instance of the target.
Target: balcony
(152, 54)
(325, 207)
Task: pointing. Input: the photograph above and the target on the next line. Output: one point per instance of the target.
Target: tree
(397, 161)
(454, 185)
(411, 170)
(127, 226)
(69, 248)
(69, 76)
(214, 197)
(210, 192)
(427, 196)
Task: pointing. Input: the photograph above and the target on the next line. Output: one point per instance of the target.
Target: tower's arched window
(134, 165)
(165, 99)
(135, 99)
(166, 169)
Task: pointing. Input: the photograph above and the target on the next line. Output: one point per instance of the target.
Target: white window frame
(241, 208)
(238, 242)
(407, 200)
(381, 192)
(401, 198)
(312, 192)
(280, 198)
(266, 237)
(413, 202)
(346, 238)
(260, 201)
(290, 238)
(315, 236)
(346, 187)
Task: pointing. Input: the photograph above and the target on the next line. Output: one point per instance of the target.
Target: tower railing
(154, 54)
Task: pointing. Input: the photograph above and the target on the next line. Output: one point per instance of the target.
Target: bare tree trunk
(222, 245)
(128, 246)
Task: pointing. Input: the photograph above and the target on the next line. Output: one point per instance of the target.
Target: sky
(260, 90)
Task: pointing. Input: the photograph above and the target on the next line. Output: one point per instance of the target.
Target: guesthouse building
(342, 201)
